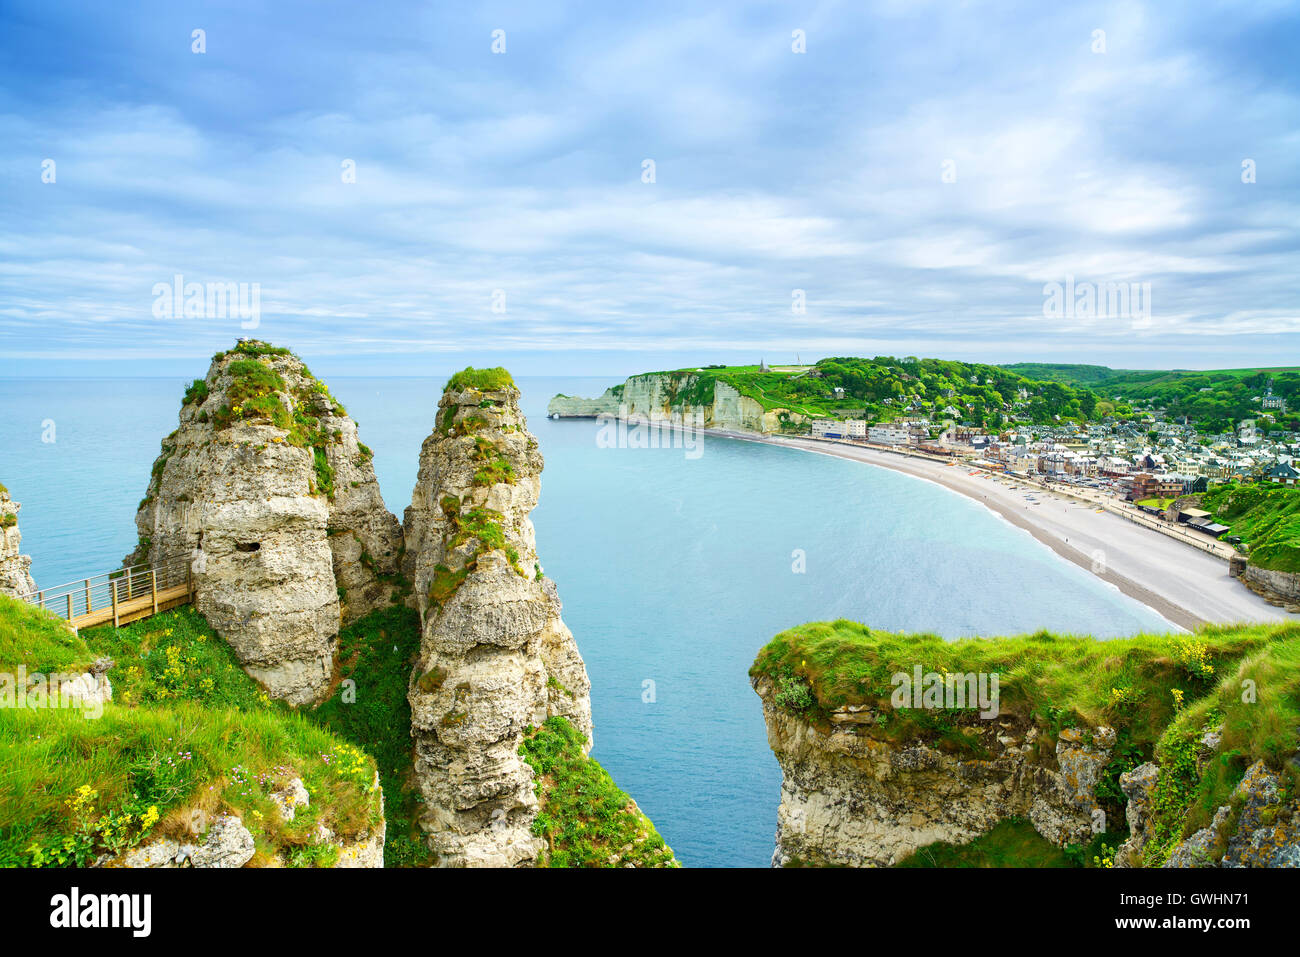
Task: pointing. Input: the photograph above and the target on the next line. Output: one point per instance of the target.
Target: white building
(889, 433)
(835, 429)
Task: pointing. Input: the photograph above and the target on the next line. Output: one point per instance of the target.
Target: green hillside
(1265, 516)
(1214, 400)
(887, 387)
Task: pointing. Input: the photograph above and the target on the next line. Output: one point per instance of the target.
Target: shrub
(196, 393)
(324, 472)
(485, 380)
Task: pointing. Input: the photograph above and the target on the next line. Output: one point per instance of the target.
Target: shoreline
(1186, 584)
(1172, 613)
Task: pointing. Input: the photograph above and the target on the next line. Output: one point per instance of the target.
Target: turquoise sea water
(672, 570)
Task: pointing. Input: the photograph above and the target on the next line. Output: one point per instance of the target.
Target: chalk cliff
(709, 403)
(265, 487)
(1279, 587)
(15, 569)
(848, 798)
(868, 783)
(495, 657)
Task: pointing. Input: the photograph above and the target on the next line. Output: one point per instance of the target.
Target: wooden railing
(122, 596)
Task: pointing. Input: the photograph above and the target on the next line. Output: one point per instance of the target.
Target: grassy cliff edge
(1159, 692)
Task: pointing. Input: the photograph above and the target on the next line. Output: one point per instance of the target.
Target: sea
(674, 565)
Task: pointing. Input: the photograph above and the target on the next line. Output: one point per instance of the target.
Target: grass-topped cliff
(1160, 693)
(253, 395)
(883, 387)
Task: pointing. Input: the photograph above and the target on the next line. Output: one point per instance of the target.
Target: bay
(673, 569)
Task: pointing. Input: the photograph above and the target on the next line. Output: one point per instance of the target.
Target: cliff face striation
(266, 488)
(495, 660)
(672, 396)
(15, 569)
(1139, 752)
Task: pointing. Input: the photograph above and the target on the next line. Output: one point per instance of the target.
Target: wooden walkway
(120, 597)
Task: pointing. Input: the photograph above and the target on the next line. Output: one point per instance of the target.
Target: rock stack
(15, 569)
(495, 657)
(266, 489)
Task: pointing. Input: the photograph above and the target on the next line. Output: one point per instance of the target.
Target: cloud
(775, 171)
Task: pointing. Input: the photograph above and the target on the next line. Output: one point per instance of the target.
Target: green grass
(377, 653)
(586, 820)
(39, 640)
(324, 472)
(188, 732)
(445, 583)
(253, 347)
(147, 770)
(494, 467)
(1054, 680)
(251, 392)
(196, 393)
(483, 526)
(1266, 516)
(173, 657)
(484, 380)
(1012, 843)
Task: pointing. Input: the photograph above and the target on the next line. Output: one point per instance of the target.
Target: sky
(406, 199)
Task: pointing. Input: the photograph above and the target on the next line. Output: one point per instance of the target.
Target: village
(1148, 459)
